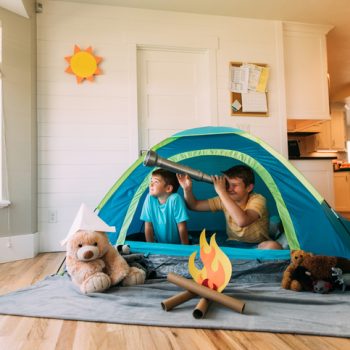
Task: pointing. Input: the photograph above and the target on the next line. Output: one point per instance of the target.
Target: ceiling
(334, 12)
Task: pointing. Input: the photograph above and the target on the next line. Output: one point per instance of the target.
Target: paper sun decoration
(83, 64)
(217, 269)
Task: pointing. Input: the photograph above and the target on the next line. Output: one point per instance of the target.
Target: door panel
(173, 93)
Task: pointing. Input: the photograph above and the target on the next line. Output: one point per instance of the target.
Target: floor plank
(45, 334)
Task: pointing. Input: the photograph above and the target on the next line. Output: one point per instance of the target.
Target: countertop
(311, 158)
(341, 170)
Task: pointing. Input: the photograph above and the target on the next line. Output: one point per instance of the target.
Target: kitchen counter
(341, 169)
(311, 158)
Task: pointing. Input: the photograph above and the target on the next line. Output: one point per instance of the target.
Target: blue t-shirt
(165, 217)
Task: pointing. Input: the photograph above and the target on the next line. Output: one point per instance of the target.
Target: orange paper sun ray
(83, 64)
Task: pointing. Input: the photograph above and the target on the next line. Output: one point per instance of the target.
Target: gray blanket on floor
(268, 307)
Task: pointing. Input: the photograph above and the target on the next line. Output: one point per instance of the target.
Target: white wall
(85, 131)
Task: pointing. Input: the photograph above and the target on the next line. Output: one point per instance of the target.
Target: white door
(173, 93)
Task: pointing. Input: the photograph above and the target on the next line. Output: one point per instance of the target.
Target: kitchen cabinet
(310, 144)
(332, 135)
(303, 126)
(319, 172)
(320, 134)
(338, 130)
(323, 140)
(305, 62)
(342, 191)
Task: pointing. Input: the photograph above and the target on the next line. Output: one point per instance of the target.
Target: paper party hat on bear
(86, 219)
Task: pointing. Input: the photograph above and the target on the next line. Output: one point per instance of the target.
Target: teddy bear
(306, 269)
(94, 264)
(322, 287)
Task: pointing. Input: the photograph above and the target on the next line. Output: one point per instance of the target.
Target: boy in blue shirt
(164, 210)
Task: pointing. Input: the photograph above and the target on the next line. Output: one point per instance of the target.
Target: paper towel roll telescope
(153, 159)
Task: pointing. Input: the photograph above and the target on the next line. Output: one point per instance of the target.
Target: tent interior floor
(34, 333)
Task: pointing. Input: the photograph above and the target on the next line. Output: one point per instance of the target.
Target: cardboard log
(207, 293)
(177, 299)
(201, 308)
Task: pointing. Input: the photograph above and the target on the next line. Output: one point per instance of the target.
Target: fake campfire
(208, 282)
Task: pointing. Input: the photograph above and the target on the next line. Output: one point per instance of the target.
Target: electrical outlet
(52, 216)
(38, 7)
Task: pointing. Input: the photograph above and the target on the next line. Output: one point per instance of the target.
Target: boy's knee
(269, 245)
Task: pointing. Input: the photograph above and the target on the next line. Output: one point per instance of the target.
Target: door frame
(200, 45)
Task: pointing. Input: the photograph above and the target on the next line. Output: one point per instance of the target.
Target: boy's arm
(241, 217)
(192, 202)
(149, 232)
(182, 227)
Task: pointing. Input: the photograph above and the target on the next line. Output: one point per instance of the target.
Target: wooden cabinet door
(305, 60)
(342, 191)
(338, 130)
(310, 143)
(323, 139)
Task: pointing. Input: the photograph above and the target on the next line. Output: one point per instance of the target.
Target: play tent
(309, 222)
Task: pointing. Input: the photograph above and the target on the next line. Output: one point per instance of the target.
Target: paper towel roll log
(201, 308)
(207, 293)
(177, 299)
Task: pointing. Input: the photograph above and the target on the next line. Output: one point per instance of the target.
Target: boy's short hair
(168, 177)
(243, 172)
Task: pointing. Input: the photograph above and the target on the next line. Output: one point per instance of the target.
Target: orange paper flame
(217, 269)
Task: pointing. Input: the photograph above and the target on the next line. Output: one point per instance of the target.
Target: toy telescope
(153, 159)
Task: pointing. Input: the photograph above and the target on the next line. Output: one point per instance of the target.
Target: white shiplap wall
(85, 131)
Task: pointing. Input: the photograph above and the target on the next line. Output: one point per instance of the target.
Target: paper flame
(217, 269)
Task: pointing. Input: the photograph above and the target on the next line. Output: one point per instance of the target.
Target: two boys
(245, 211)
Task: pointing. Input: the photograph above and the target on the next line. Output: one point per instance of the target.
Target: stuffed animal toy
(94, 264)
(322, 287)
(301, 279)
(340, 280)
(317, 267)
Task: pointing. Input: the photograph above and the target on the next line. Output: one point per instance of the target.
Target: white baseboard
(19, 247)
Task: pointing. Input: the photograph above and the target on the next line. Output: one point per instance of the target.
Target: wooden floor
(39, 333)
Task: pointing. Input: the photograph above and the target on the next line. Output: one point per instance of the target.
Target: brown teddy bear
(91, 261)
(95, 265)
(307, 268)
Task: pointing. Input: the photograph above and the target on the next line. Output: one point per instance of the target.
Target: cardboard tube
(205, 292)
(153, 159)
(201, 308)
(177, 299)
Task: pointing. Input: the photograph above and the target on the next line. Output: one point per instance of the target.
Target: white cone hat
(86, 219)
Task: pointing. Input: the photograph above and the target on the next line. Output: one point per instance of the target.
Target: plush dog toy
(306, 269)
(95, 265)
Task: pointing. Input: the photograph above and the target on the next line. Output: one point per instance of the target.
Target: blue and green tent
(309, 222)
